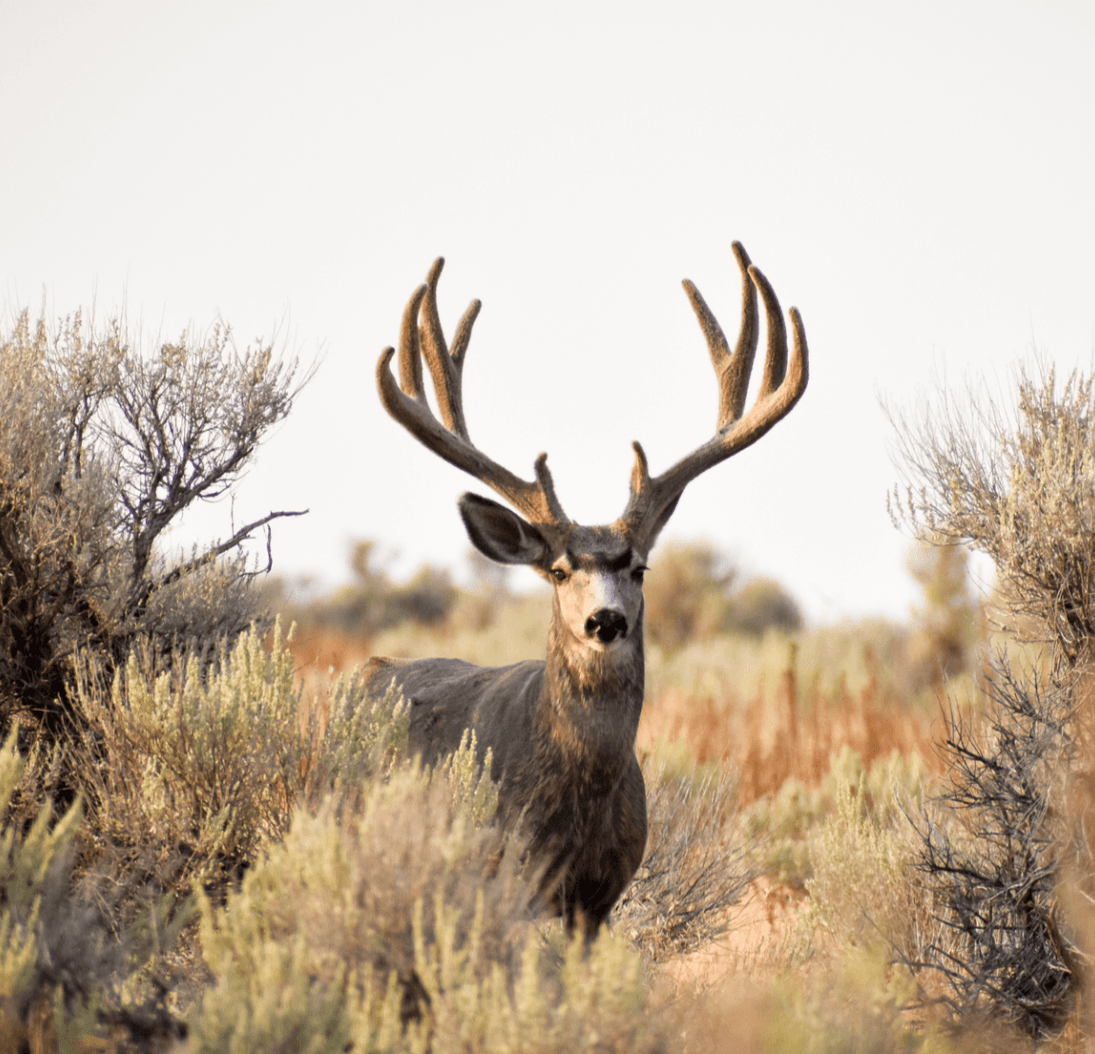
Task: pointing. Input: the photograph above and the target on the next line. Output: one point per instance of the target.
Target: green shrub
(102, 448)
(798, 824)
(65, 977)
(403, 924)
(861, 894)
(32, 865)
(191, 769)
(759, 605)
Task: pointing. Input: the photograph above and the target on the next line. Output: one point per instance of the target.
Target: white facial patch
(604, 591)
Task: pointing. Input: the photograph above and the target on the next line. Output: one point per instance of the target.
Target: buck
(561, 730)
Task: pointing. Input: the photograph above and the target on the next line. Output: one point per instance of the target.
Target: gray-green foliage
(29, 861)
(403, 924)
(201, 764)
(860, 888)
(1016, 485)
(793, 825)
(102, 447)
(54, 962)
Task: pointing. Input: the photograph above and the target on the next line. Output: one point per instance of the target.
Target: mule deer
(561, 730)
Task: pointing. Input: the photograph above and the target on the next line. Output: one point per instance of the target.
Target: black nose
(606, 625)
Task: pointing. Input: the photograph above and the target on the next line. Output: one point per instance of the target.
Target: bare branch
(212, 554)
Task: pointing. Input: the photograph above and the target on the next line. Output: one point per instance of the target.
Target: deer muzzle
(606, 625)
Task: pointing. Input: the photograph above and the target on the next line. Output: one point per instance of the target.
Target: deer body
(561, 731)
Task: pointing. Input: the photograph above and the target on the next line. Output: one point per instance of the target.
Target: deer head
(596, 572)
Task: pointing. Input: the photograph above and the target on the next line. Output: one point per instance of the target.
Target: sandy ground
(754, 944)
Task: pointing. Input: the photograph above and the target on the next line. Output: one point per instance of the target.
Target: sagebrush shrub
(860, 889)
(64, 973)
(102, 447)
(404, 924)
(696, 867)
(993, 875)
(190, 769)
(1018, 485)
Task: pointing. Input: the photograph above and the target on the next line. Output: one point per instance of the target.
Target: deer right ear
(499, 533)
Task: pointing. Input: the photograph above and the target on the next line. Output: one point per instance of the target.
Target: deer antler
(653, 499)
(421, 336)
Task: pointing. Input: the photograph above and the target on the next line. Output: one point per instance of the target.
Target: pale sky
(919, 180)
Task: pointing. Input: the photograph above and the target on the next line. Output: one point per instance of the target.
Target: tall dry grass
(782, 707)
(791, 731)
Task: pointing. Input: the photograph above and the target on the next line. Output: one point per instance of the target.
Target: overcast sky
(918, 179)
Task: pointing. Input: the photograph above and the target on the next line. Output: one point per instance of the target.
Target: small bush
(32, 874)
(791, 826)
(692, 593)
(946, 627)
(696, 867)
(686, 593)
(859, 886)
(188, 771)
(760, 605)
(373, 602)
(67, 978)
(1017, 486)
(102, 448)
(404, 925)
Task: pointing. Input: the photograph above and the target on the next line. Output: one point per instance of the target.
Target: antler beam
(654, 498)
(421, 337)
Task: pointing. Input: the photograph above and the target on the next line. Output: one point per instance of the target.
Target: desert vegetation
(863, 837)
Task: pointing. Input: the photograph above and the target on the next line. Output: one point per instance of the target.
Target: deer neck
(592, 700)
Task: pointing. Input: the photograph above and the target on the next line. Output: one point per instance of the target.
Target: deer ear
(499, 533)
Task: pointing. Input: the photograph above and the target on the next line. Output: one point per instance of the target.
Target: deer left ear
(499, 533)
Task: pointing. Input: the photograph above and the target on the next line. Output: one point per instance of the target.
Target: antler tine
(654, 498)
(732, 370)
(775, 359)
(421, 336)
(445, 368)
(410, 362)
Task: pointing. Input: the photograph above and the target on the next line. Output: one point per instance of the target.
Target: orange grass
(793, 734)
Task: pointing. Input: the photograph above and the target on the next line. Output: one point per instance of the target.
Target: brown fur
(561, 732)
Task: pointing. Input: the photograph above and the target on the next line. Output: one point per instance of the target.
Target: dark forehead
(601, 547)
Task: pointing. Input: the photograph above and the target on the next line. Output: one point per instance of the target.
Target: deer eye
(638, 573)
(558, 574)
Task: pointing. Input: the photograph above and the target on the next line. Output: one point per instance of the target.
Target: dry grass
(792, 732)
